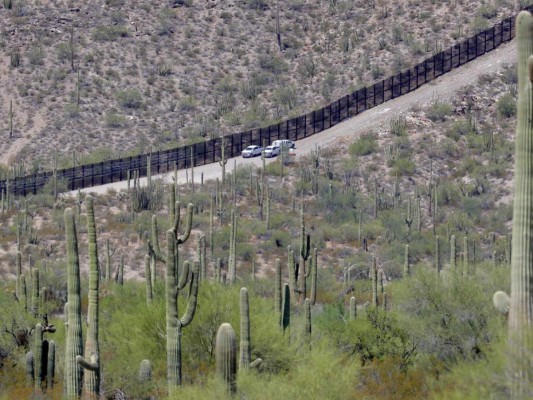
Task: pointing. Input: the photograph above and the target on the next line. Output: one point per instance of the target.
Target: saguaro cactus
(374, 275)
(73, 373)
(353, 308)
(521, 300)
(305, 247)
(286, 310)
(437, 255)
(307, 320)
(148, 280)
(145, 371)
(51, 369)
(91, 364)
(232, 261)
(245, 346)
(226, 356)
(453, 254)
(277, 290)
(30, 367)
(314, 276)
(175, 324)
(406, 266)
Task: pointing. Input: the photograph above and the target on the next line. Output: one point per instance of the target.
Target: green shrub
(129, 98)
(506, 106)
(403, 167)
(106, 33)
(365, 145)
(439, 110)
(114, 120)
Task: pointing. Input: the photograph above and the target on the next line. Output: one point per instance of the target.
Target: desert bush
(439, 110)
(450, 318)
(129, 98)
(403, 166)
(365, 145)
(506, 106)
(109, 33)
(114, 120)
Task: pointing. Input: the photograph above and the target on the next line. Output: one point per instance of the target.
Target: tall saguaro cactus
(73, 373)
(232, 261)
(277, 290)
(175, 324)
(245, 346)
(91, 364)
(305, 251)
(374, 275)
(521, 299)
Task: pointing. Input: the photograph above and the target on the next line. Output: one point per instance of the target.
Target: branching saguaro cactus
(521, 300)
(91, 364)
(73, 373)
(174, 323)
(226, 356)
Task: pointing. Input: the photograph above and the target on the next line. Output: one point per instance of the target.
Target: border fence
(210, 151)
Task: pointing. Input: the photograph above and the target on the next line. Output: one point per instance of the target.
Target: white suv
(284, 144)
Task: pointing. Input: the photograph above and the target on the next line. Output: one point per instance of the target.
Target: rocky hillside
(107, 78)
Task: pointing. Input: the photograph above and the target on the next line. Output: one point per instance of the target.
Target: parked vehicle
(252, 151)
(284, 143)
(272, 151)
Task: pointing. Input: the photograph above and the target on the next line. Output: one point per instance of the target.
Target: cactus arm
(184, 278)
(148, 279)
(92, 365)
(188, 226)
(154, 242)
(193, 297)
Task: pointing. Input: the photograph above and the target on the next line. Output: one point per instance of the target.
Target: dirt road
(442, 88)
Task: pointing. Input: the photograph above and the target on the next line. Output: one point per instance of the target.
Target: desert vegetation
(362, 270)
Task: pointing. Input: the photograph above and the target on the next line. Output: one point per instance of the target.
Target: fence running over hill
(294, 129)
